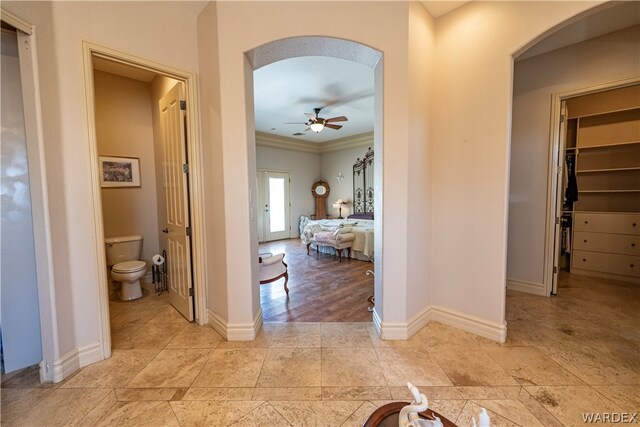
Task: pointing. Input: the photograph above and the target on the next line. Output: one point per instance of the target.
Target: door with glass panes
(274, 205)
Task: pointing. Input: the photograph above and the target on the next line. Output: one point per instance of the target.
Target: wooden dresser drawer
(607, 263)
(624, 244)
(607, 223)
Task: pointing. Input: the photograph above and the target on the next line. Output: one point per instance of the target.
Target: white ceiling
(285, 90)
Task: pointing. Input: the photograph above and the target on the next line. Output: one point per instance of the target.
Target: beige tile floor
(575, 353)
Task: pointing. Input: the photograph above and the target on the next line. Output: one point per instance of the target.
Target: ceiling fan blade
(337, 119)
(329, 125)
(307, 129)
(311, 117)
(295, 123)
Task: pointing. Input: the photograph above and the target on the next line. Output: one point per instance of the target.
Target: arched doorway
(336, 48)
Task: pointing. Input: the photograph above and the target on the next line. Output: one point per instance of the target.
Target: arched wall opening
(593, 51)
(293, 47)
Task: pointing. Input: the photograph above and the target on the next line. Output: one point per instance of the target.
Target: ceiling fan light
(316, 127)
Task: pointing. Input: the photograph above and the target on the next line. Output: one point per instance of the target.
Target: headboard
(363, 184)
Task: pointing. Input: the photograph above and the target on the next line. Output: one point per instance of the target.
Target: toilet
(123, 256)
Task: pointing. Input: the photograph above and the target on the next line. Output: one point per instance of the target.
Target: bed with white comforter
(362, 247)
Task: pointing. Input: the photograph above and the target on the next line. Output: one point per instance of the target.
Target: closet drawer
(607, 263)
(607, 223)
(624, 244)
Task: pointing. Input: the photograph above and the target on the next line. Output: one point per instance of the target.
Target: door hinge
(555, 270)
(561, 118)
(185, 168)
(183, 105)
(188, 231)
(190, 292)
(557, 220)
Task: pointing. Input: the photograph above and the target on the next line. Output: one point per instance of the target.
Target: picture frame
(118, 172)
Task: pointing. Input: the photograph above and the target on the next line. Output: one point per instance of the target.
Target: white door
(175, 171)
(560, 186)
(275, 207)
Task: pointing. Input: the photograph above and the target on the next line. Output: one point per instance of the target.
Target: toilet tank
(123, 248)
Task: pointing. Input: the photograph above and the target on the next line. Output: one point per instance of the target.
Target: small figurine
(483, 419)
(409, 414)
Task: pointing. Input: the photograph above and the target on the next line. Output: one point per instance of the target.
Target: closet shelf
(617, 144)
(609, 191)
(608, 170)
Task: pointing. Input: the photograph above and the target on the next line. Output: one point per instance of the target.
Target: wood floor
(321, 289)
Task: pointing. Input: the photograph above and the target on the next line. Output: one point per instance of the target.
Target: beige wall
(210, 115)
(419, 161)
(124, 128)
(341, 161)
(604, 59)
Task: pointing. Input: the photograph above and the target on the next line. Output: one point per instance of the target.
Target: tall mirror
(320, 191)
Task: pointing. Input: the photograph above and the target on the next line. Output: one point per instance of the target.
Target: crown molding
(273, 141)
(362, 140)
(284, 143)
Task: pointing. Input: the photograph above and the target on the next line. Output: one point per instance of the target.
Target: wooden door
(176, 187)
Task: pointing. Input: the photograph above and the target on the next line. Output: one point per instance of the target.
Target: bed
(362, 246)
(360, 222)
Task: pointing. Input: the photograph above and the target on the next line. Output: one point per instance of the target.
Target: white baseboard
(90, 354)
(235, 331)
(377, 323)
(217, 323)
(527, 287)
(405, 330)
(71, 362)
(475, 325)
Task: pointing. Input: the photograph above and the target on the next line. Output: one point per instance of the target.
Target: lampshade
(317, 127)
(339, 203)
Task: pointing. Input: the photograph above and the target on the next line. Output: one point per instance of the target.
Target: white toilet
(123, 253)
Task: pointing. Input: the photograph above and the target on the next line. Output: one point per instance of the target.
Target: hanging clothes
(571, 192)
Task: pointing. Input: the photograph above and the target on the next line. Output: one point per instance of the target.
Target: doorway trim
(196, 195)
(554, 158)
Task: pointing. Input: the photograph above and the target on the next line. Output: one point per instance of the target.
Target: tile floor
(575, 353)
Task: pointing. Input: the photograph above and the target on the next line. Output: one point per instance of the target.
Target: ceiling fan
(317, 123)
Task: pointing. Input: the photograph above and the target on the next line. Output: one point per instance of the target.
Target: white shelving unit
(606, 217)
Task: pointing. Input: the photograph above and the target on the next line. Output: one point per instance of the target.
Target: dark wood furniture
(320, 191)
(387, 416)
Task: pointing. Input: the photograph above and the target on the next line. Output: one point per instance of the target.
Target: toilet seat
(129, 267)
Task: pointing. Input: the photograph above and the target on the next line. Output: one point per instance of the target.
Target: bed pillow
(341, 230)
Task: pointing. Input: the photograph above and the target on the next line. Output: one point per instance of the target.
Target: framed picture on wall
(119, 172)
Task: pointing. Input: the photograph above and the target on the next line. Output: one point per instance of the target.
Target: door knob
(165, 230)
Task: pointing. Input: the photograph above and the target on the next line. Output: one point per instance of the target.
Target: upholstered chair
(272, 268)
